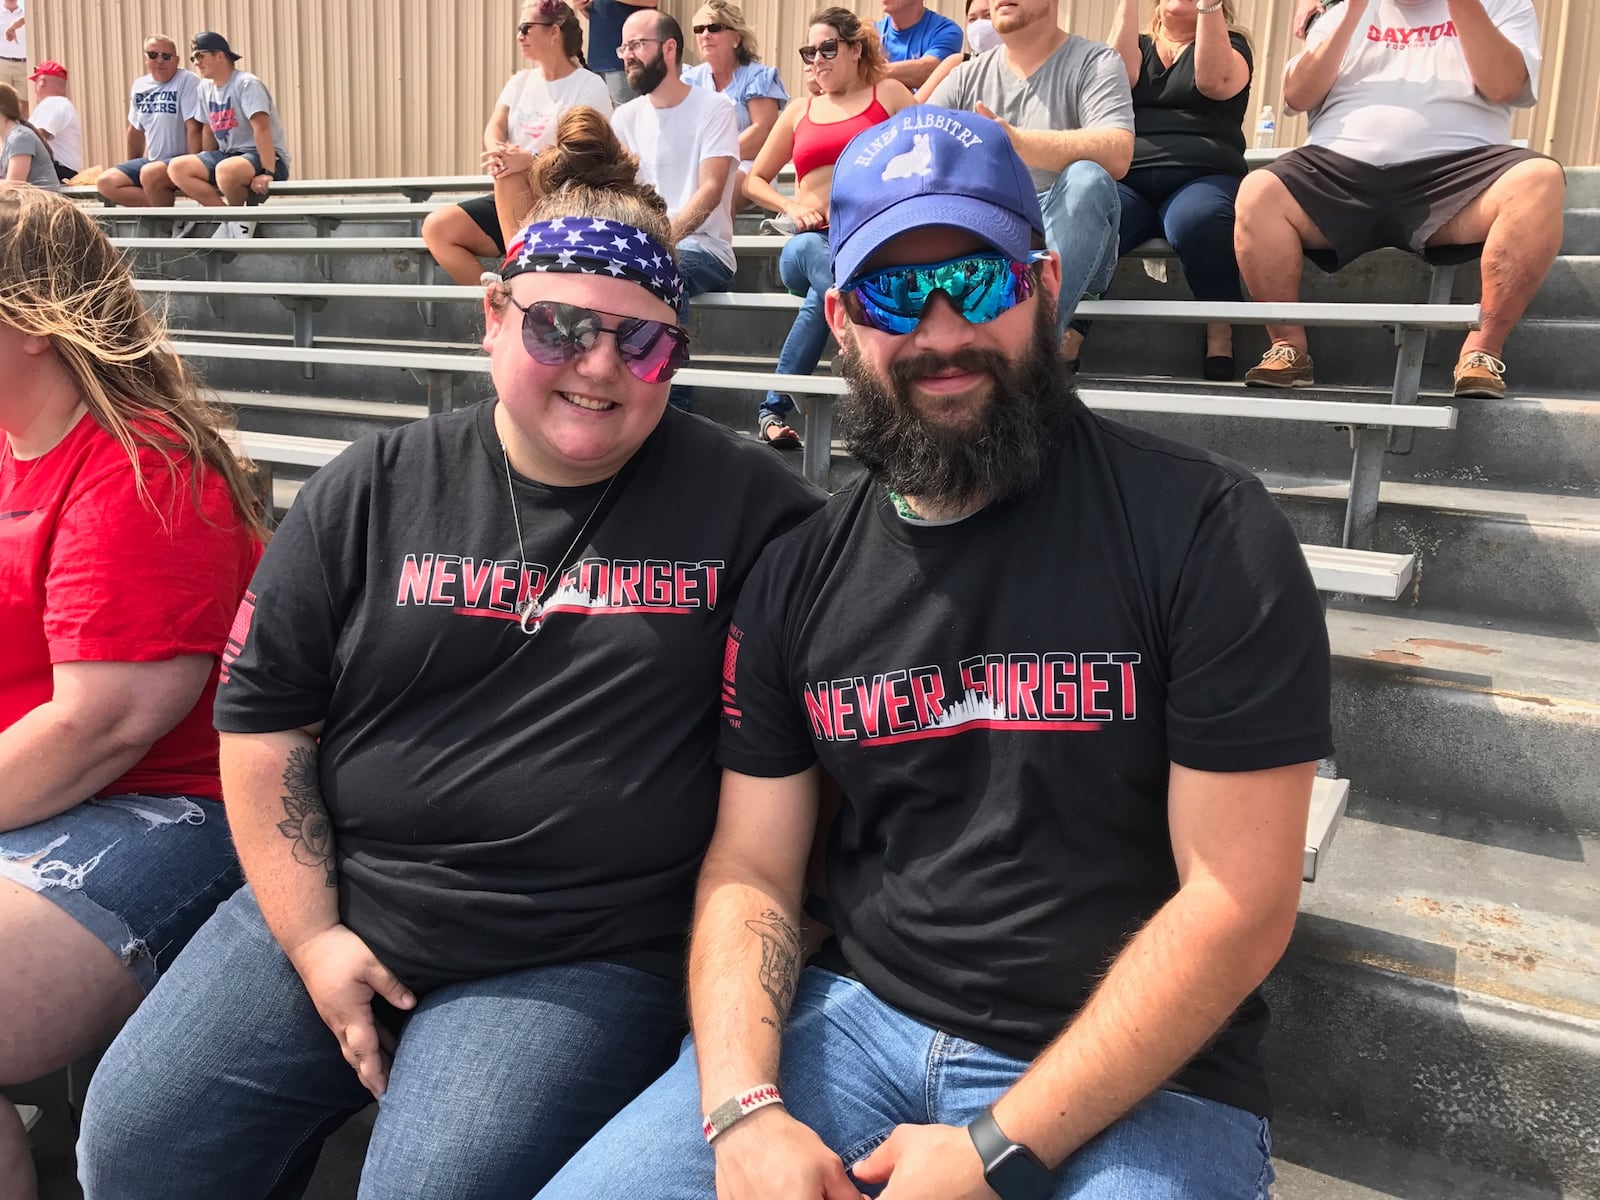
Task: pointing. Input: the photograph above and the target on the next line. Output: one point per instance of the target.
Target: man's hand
(261, 184)
(1303, 14)
(771, 1156)
(926, 1162)
(342, 975)
(983, 110)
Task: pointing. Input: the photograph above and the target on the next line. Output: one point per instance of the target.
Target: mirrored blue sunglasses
(981, 287)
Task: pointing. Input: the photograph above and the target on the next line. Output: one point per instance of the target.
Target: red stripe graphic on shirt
(238, 634)
(1055, 692)
(730, 676)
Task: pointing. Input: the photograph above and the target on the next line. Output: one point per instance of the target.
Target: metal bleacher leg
(305, 309)
(1366, 474)
(441, 387)
(1413, 348)
(428, 274)
(817, 455)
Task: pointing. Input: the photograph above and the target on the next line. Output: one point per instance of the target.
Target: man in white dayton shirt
(163, 123)
(1410, 104)
(55, 118)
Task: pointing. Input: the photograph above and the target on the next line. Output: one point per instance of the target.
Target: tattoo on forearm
(780, 960)
(307, 825)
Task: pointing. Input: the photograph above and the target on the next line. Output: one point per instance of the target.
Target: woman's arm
(894, 96)
(100, 720)
(495, 132)
(1125, 38)
(929, 85)
(1220, 71)
(777, 150)
(763, 112)
(18, 166)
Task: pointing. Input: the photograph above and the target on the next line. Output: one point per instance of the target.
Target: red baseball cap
(49, 67)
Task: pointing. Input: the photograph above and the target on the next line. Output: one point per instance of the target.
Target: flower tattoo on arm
(307, 824)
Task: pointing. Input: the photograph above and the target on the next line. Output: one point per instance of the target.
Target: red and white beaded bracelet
(734, 1110)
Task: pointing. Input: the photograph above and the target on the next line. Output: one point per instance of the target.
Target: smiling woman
(468, 753)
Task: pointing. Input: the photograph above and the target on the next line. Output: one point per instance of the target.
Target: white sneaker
(29, 1115)
(783, 225)
(235, 229)
(182, 229)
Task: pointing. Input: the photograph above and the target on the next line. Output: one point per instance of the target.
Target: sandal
(779, 436)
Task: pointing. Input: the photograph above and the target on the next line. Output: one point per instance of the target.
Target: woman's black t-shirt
(500, 801)
(1177, 127)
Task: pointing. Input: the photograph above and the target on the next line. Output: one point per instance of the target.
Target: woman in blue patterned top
(732, 65)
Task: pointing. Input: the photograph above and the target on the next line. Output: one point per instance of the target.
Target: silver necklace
(531, 614)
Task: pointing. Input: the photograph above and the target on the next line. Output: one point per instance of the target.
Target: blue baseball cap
(930, 166)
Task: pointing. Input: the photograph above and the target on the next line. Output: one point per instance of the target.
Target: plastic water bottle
(1266, 129)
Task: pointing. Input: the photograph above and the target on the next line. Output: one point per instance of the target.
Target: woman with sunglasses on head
(128, 531)
(731, 64)
(467, 753)
(460, 236)
(846, 59)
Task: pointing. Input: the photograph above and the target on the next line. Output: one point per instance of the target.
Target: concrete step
(1442, 992)
(1583, 187)
(1522, 560)
(1570, 291)
(1581, 231)
(1475, 721)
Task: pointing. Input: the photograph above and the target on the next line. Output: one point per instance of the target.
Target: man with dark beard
(1071, 680)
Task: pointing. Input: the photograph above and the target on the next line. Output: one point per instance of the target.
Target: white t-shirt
(58, 117)
(1404, 91)
(671, 143)
(18, 48)
(163, 112)
(535, 104)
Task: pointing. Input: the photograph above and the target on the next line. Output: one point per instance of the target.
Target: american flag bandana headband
(590, 246)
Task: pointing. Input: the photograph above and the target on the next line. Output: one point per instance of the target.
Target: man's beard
(648, 76)
(1000, 454)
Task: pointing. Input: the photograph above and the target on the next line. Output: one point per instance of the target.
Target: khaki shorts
(15, 72)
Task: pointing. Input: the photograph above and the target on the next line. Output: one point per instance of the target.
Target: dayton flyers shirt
(163, 112)
(1404, 91)
(500, 801)
(999, 699)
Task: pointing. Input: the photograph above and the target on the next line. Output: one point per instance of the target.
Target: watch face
(1017, 1175)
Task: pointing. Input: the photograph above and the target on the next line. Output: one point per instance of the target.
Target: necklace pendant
(532, 618)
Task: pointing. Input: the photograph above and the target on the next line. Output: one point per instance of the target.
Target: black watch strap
(1012, 1170)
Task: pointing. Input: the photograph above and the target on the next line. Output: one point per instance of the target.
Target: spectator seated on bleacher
(24, 158)
(1057, 879)
(1065, 103)
(244, 148)
(1408, 146)
(467, 752)
(915, 40)
(606, 18)
(731, 64)
(163, 123)
(55, 117)
(128, 532)
(523, 122)
(687, 142)
(845, 58)
(1190, 76)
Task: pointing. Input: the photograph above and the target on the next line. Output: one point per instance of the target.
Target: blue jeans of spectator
(805, 270)
(226, 1081)
(1197, 218)
(854, 1068)
(1081, 215)
(702, 271)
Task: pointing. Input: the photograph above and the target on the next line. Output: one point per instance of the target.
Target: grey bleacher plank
(287, 449)
(354, 187)
(1336, 412)
(311, 245)
(1360, 572)
(271, 213)
(312, 291)
(1329, 798)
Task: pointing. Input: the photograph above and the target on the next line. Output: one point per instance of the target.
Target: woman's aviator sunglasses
(981, 287)
(828, 49)
(527, 27)
(709, 27)
(555, 334)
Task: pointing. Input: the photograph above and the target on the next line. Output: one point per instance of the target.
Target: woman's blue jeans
(1197, 218)
(226, 1081)
(806, 271)
(854, 1068)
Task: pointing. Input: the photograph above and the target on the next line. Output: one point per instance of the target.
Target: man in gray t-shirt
(1066, 105)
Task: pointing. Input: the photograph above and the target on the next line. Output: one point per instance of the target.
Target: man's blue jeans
(1081, 215)
(806, 271)
(854, 1068)
(702, 272)
(226, 1081)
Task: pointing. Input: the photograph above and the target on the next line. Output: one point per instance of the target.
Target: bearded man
(1071, 680)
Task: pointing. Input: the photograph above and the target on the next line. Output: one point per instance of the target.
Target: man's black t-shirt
(999, 700)
(1175, 126)
(500, 801)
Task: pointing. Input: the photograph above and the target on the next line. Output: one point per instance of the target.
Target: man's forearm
(912, 72)
(744, 966)
(1307, 83)
(265, 150)
(1497, 67)
(1167, 994)
(1057, 149)
(693, 214)
(282, 832)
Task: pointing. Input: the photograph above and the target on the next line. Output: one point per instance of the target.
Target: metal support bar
(417, 195)
(1413, 344)
(325, 225)
(305, 309)
(817, 455)
(441, 387)
(213, 264)
(427, 274)
(1366, 475)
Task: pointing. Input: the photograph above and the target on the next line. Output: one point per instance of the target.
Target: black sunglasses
(555, 334)
(152, 55)
(829, 49)
(527, 27)
(712, 27)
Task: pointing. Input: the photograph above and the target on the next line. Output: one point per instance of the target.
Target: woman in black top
(1190, 76)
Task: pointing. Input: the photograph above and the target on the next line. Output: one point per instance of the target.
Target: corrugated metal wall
(402, 87)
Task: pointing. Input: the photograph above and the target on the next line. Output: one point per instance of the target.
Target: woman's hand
(805, 217)
(342, 975)
(261, 184)
(506, 159)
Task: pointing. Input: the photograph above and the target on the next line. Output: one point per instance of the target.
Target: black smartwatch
(1012, 1170)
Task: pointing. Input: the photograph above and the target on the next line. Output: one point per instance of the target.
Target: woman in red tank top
(847, 61)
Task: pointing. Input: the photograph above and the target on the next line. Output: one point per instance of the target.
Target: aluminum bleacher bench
(414, 188)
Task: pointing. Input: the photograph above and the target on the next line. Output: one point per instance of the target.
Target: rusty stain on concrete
(1404, 657)
(1444, 644)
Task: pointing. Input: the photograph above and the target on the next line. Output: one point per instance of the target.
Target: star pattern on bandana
(594, 246)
